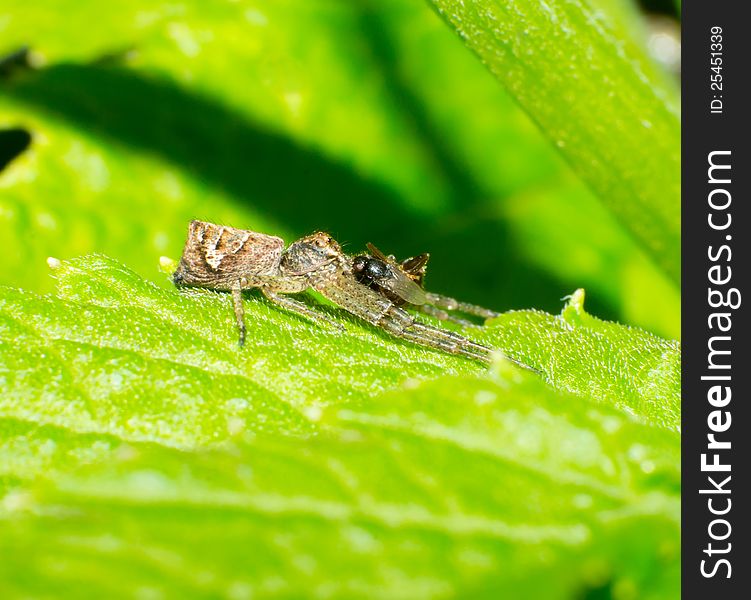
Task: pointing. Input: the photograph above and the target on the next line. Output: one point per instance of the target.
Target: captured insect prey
(403, 282)
(372, 287)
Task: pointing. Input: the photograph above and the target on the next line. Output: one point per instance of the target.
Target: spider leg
(442, 315)
(441, 339)
(451, 304)
(401, 324)
(299, 308)
(378, 310)
(237, 304)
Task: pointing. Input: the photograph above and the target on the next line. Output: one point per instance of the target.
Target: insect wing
(401, 285)
(376, 253)
(400, 281)
(415, 267)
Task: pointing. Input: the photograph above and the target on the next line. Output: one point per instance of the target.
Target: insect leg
(299, 308)
(451, 304)
(237, 303)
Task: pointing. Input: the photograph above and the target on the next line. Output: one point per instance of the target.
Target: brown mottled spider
(229, 259)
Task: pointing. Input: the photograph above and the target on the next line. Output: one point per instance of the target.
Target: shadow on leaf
(300, 186)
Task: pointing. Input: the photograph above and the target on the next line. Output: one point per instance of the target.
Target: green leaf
(579, 353)
(112, 336)
(588, 82)
(115, 355)
(480, 485)
(119, 358)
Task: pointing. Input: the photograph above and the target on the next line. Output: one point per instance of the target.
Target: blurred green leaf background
(367, 119)
(531, 146)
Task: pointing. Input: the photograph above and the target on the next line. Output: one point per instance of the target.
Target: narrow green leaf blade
(595, 93)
